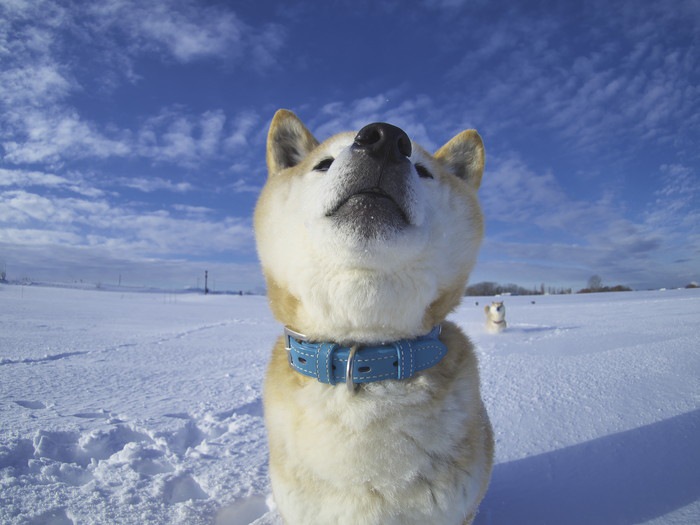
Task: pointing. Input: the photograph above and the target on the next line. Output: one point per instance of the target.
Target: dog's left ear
(464, 157)
(288, 141)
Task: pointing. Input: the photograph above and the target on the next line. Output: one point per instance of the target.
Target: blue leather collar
(328, 362)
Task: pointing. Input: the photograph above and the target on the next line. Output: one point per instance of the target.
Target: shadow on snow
(624, 478)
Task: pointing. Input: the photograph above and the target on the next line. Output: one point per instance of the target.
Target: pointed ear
(288, 141)
(464, 157)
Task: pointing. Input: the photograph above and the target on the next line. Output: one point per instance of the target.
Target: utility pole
(206, 279)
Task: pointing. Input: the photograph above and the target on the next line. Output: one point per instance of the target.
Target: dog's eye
(423, 172)
(324, 164)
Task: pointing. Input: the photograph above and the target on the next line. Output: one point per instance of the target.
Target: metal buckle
(352, 387)
(289, 333)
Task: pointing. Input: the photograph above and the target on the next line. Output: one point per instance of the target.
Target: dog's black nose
(383, 140)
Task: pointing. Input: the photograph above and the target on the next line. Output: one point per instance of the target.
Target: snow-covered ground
(128, 408)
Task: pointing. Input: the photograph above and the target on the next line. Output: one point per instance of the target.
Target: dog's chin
(370, 216)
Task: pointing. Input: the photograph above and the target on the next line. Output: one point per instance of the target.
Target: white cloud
(533, 227)
(30, 178)
(184, 30)
(676, 209)
(624, 239)
(176, 142)
(419, 116)
(243, 127)
(193, 211)
(34, 84)
(38, 45)
(594, 94)
(49, 136)
(19, 207)
(212, 126)
(189, 32)
(53, 135)
(23, 207)
(27, 178)
(129, 229)
(512, 192)
(173, 136)
(570, 265)
(151, 184)
(163, 234)
(265, 45)
(242, 186)
(23, 237)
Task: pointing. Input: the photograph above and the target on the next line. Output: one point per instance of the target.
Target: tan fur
(418, 451)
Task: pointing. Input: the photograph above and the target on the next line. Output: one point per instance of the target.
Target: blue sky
(132, 134)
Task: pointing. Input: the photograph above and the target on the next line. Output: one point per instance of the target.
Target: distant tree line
(618, 288)
(595, 285)
(491, 288)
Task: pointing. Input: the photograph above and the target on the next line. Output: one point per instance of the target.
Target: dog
(495, 317)
(371, 399)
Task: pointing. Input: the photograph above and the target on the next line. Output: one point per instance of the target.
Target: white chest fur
(415, 451)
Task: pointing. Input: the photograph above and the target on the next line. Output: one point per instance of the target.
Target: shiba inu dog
(372, 400)
(495, 317)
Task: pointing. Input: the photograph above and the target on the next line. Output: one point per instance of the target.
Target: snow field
(146, 408)
(595, 401)
(129, 408)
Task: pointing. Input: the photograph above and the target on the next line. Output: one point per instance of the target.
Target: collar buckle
(351, 385)
(291, 334)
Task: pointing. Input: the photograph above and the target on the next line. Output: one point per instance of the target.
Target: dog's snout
(384, 140)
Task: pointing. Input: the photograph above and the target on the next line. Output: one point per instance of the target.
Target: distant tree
(618, 288)
(482, 289)
(595, 282)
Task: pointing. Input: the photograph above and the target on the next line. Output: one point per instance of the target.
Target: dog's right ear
(464, 157)
(288, 141)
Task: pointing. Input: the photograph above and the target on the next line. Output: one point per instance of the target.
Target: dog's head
(496, 311)
(367, 236)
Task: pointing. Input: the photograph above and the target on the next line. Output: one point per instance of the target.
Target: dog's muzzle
(374, 197)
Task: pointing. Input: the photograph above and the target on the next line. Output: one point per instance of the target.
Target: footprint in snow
(52, 517)
(253, 408)
(181, 488)
(32, 405)
(247, 510)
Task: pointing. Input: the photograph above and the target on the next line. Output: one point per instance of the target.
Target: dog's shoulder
(461, 357)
